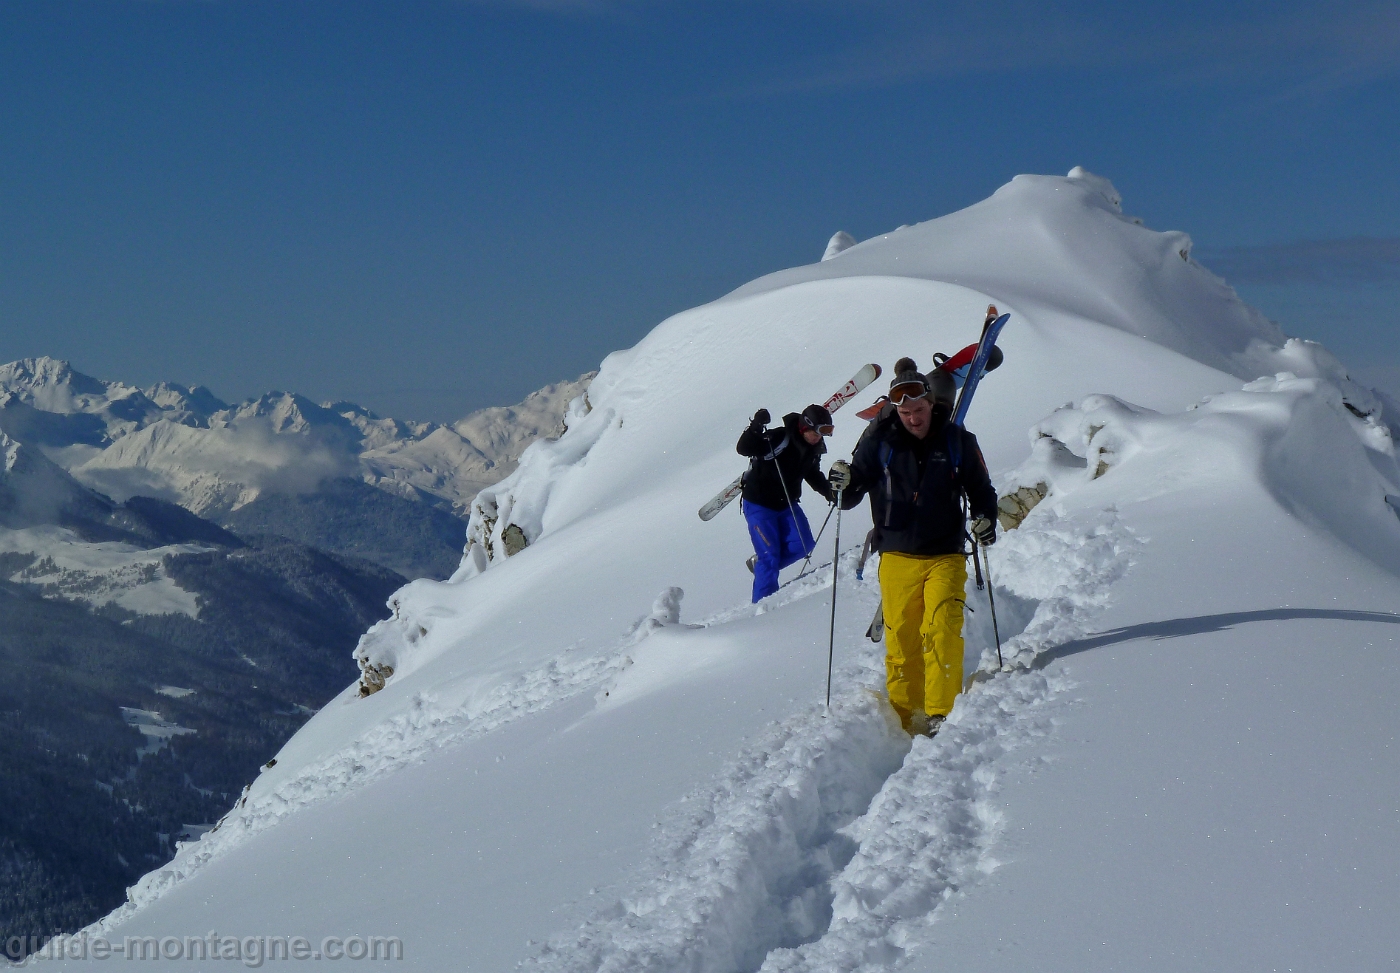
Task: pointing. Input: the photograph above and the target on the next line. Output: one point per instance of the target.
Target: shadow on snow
(1204, 624)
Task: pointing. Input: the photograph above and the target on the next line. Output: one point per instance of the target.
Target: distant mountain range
(182, 583)
(332, 475)
(153, 660)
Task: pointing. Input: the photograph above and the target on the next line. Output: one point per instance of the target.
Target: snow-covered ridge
(182, 444)
(1078, 258)
(627, 791)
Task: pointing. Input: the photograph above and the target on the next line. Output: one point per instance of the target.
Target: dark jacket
(778, 458)
(915, 489)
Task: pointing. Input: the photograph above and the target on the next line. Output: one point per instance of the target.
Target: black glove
(761, 418)
(985, 531)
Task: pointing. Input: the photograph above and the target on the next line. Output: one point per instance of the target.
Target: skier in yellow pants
(923, 603)
(916, 465)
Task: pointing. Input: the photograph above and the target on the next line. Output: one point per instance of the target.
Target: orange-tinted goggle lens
(909, 390)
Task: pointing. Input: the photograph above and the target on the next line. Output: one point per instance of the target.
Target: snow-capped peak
(181, 443)
(52, 385)
(195, 400)
(285, 412)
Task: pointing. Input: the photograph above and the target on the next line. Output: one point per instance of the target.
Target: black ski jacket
(915, 486)
(777, 458)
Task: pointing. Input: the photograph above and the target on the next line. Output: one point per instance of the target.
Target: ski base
(722, 499)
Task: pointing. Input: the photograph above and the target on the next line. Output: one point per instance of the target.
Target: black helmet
(818, 418)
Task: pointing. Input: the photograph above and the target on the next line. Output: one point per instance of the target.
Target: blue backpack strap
(955, 454)
(886, 453)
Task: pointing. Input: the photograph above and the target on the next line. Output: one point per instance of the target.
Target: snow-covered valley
(592, 753)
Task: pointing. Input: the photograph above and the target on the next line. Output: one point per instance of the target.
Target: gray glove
(839, 476)
(985, 531)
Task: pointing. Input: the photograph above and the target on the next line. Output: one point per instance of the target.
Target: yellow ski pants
(923, 605)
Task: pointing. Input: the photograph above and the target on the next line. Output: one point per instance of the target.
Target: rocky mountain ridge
(331, 475)
(183, 444)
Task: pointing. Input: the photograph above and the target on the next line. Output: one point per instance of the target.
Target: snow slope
(595, 755)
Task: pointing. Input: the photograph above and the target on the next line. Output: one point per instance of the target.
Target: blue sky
(436, 205)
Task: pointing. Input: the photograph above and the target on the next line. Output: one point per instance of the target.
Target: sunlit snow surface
(100, 573)
(1190, 765)
(157, 730)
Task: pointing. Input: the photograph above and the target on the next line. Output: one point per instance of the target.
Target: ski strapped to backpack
(844, 394)
(959, 366)
(980, 360)
(975, 371)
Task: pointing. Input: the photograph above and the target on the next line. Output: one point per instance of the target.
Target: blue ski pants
(780, 538)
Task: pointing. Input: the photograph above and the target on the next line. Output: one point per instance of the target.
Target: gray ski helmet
(943, 387)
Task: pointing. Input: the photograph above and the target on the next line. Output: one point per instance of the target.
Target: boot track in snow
(829, 842)
(823, 845)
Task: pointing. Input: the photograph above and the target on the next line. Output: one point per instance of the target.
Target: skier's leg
(944, 591)
(797, 536)
(902, 597)
(765, 530)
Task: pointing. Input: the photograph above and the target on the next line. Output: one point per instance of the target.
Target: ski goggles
(907, 390)
(825, 430)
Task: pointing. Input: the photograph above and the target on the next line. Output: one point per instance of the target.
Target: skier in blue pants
(779, 460)
(780, 538)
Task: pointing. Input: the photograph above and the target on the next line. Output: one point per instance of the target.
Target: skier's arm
(864, 471)
(754, 440)
(976, 481)
(816, 479)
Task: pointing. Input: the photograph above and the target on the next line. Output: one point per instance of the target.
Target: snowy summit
(590, 752)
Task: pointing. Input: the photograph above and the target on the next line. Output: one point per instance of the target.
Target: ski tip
(878, 370)
(871, 411)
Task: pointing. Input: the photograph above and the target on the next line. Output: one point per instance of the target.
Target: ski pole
(835, 563)
(787, 496)
(807, 563)
(992, 602)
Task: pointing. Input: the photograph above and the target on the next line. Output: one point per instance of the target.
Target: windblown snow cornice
(1063, 243)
